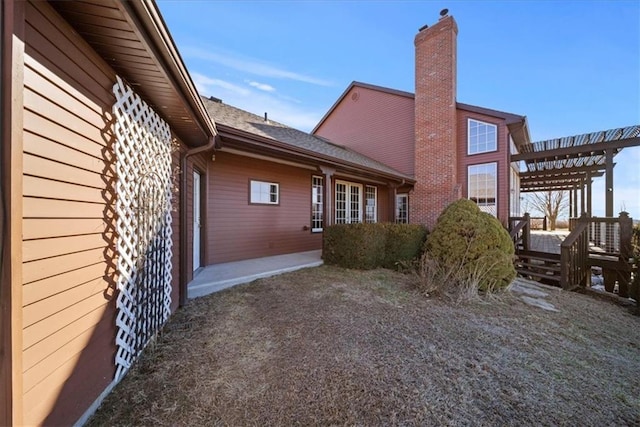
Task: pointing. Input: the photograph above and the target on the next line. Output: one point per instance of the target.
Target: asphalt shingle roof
(236, 118)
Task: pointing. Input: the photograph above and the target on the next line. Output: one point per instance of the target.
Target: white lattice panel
(143, 207)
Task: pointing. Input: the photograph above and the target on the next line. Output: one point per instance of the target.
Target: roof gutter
(183, 213)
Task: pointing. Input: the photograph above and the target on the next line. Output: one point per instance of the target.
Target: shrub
(369, 246)
(404, 242)
(471, 244)
(358, 246)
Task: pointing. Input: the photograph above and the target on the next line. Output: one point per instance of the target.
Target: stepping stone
(537, 302)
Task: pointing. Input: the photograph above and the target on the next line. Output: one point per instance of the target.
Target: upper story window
(265, 193)
(483, 137)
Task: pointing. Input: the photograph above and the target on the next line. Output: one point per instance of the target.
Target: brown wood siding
(500, 156)
(237, 230)
(377, 124)
(385, 210)
(68, 221)
(11, 282)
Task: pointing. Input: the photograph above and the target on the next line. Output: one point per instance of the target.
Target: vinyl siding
(376, 124)
(69, 239)
(237, 230)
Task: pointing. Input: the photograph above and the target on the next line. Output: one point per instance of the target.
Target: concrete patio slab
(214, 278)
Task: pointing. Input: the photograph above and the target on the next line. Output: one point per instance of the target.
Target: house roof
(234, 122)
(516, 123)
(134, 40)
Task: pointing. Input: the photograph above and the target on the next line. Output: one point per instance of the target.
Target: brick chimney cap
(443, 13)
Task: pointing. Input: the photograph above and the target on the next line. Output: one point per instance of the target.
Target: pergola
(571, 163)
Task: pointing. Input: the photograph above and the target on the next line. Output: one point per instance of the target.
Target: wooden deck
(547, 241)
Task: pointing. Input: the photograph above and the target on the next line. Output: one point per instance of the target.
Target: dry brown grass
(328, 346)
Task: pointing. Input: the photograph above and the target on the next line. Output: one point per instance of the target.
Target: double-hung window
(483, 137)
(483, 189)
(371, 204)
(402, 208)
(264, 193)
(348, 202)
(317, 204)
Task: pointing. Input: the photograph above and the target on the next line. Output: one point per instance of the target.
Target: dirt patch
(331, 346)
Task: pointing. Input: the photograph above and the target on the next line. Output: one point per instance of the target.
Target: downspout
(183, 214)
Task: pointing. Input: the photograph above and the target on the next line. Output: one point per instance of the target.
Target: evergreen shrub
(474, 244)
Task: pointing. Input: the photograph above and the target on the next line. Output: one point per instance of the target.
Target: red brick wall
(436, 163)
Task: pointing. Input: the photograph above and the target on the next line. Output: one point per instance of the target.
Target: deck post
(526, 232)
(626, 252)
(609, 183)
(589, 201)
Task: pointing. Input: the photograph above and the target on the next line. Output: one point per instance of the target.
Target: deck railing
(604, 234)
(520, 231)
(592, 241)
(574, 255)
(538, 222)
(610, 248)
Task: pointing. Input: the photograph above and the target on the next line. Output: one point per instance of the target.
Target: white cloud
(279, 108)
(262, 86)
(249, 65)
(206, 84)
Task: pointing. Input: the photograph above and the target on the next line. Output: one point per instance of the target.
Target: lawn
(328, 346)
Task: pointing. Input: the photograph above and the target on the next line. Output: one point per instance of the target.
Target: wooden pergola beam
(564, 171)
(586, 150)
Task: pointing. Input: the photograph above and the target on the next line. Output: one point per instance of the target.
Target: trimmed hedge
(404, 243)
(369, 246)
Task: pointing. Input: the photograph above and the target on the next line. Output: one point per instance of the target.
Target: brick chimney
(435, 121)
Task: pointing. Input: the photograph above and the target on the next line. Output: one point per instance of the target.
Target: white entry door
(196, 220)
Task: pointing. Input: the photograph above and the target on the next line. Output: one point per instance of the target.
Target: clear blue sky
(571, 67)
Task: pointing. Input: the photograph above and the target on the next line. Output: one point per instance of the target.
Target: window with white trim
(317, 204)
(371, 204)
(348, 202)
(483, 137)
(482, 186)
(402, 208)
(264, 193)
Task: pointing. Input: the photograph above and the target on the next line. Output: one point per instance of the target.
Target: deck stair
(566, 258)
(540, 266)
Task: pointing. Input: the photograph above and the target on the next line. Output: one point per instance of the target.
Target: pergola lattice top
(566, 163)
